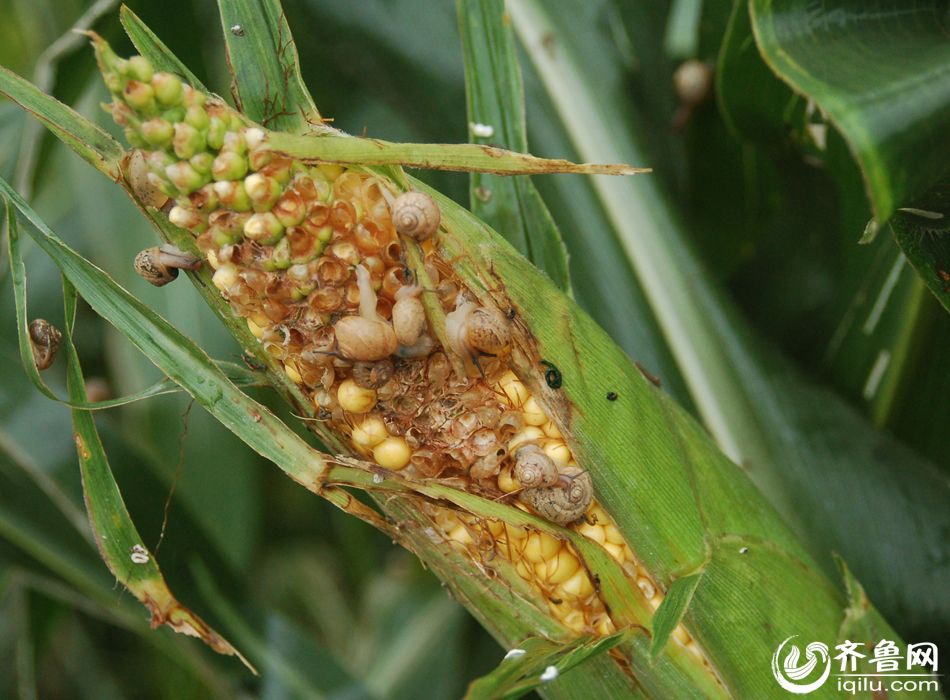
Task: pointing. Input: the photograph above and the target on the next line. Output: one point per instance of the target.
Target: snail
(160, 265)
(145, 187)
(44, 339)
(409, 318)
(372, 375)
(474, 329)
(416, 215)
(533, 468)
(366, 337)
(566, 501)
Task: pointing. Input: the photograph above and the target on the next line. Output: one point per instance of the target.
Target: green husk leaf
(671, 611)
(94, 144)
(495, 97)
(262, 58)
(119, 543)
(154, 49)
(895, 124)
(923, 234)
(431, 156)
(528, 667)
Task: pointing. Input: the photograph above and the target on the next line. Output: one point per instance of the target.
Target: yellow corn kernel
(615, 550)
(646, 587)
(516, 392)
(591, 532)
(292, 372)
(556, 450)
(522, 568)
(370, 432)
(461, 535)
(551, 430)
(446, 519)
(496, 528)
(578, 585)
(562, 567)
(506, 482)
(603, 625)
(392, 453)
(681, 635)
(526, 435)
(533, 413)
(213, 260)
(255, 330)
(613, 534)
(539, 547)
(354, 398)
(331, 171)
(516, 534)
(225, 277)
(575, 620)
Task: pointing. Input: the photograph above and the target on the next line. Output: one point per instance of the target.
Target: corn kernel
(392, 453)
(575, 620)
(526, 435)
(613, 534)
(557, 450)
(461, 535)
(562, 567)
(506, 482)
(370, 432)
(539, 547)
(604, 626)
(291, 371)
(496, 528)
(591, 532)
(225, 277)
(533, 413)
(615, 550)
(681, 635)
(356, 399)
(578, 585)
(255, 330)
(646, 587)
(512, 387)
(551, 430)
(213, 260)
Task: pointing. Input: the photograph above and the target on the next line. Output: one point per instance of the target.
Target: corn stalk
(674, 563)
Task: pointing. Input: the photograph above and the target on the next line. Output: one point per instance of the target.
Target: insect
(552, 375)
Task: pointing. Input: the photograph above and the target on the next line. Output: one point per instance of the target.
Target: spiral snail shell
(474, 329)
(44, 340)
(144, 187)
(160, 265)
(364, 339)
(409, 318)
(533, 468)
(416, 215)
(372, 375)
(566, 501)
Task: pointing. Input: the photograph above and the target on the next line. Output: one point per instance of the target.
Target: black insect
(612, 396)
(552, 375)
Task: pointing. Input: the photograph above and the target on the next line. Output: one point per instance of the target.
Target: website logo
(799, 678)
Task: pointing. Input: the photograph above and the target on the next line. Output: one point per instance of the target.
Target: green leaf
(923, 233)
(77, 132)
(120, 544)
(431, 156)
(892, 105)
(154, 49)
(495, 99)
(535, 664)
(671, 611)
(262, 58)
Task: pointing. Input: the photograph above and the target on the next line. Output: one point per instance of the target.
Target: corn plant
(460, 400)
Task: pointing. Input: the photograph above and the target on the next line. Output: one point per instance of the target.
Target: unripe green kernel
(202, 162)
(185, 217)
(264, 228)
(232, 195)
(134, 138)
(262, 190)
(174, 115)
(229, 165)
(280, 256)
(139, 68)
(157, 132)
(216, 132)
(139, 96)
(234, 142)
(197, 117)
(184, 177)
(168, 88)
(193, 97)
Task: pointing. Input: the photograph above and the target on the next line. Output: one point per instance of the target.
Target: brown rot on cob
(338, 274)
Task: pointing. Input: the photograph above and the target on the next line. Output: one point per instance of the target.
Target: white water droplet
(550, 673)
(515, 653)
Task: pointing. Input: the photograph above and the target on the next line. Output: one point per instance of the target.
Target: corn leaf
(495, 100)
(534, 664)
(819, 462)
(894, 124)
(262, 58)
(924, 237)
(77, 132)
(148, 44)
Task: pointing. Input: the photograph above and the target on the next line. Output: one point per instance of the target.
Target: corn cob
(315, 259)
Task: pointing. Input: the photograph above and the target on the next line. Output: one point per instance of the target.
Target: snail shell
(160, 265)
(372, 375)
(365, 339)
(144, 187)
(474, 329)
(44, 339)
(416, 215)
(533, 468)
(409, 318)
(564, 502)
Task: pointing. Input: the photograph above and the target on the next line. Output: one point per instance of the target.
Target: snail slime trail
(416, 379)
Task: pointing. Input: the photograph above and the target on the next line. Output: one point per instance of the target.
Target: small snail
(409, 318)
(533, 468)
(566, 501)
(145, 187)
(416, 215)
(474, 329)
(160, 265)
(44, 339)
(372, 375)
(366, 337)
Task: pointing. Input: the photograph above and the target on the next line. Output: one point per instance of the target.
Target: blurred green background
(325, 605)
